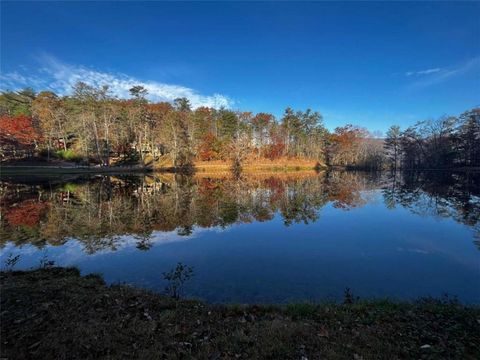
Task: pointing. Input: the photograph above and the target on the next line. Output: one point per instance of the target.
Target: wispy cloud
(60, 78)
(434, 76)
(15, 80)
(423, 72)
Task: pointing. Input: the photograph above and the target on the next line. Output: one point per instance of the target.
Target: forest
(91, 127)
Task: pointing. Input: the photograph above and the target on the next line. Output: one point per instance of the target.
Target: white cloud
(60, 78)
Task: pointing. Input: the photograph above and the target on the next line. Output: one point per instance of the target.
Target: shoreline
(202, 168)
(280, 165)
(57, 313)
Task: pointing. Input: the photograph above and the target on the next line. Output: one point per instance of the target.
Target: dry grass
(258, 175)
(262, 164)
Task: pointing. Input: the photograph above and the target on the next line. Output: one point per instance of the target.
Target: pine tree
(392, 144)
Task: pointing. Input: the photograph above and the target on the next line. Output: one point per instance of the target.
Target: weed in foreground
(176, 279)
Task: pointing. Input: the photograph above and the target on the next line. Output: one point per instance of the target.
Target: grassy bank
(39, 170)
(57, 314)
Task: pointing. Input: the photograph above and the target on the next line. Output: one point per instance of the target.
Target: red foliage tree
(18, 134)
(276, 148)
(27, 213)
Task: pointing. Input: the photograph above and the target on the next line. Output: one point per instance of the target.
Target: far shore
(284, 165)
(64, 167)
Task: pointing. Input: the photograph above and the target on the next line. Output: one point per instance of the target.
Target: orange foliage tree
(344, 144)
(207, 149)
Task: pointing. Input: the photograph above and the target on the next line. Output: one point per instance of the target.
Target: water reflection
(98, 211)
(454, 195)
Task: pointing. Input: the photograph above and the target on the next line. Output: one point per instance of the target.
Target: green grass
(67, 155)
(56, 313)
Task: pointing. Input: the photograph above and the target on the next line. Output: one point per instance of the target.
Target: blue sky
(366, 63)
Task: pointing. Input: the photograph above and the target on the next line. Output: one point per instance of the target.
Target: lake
(263, 238)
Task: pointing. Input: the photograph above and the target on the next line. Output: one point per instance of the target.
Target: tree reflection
(98, 211)
(453, 195)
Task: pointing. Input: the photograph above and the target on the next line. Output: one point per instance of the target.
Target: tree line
(92, 126)
(446, 142)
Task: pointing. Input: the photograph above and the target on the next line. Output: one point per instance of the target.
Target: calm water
(263, 238)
